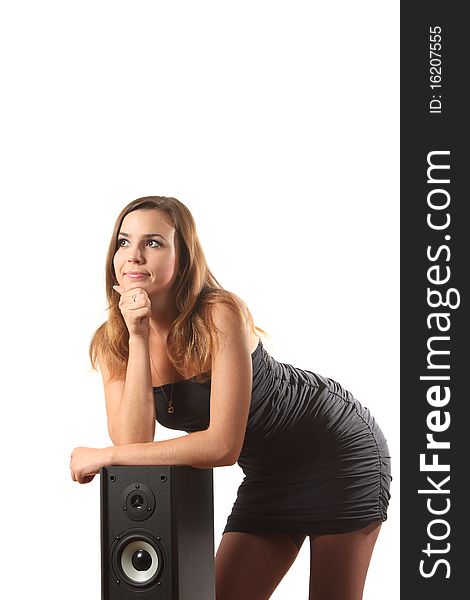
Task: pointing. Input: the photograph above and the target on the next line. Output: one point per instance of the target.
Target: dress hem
(306, 528)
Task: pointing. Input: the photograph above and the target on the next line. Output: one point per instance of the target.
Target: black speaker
(157, 533)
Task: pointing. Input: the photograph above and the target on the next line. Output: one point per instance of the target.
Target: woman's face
(147, 256)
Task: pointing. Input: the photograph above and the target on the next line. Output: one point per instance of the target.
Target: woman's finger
(132, 296)
(134, 302)
(86, 479)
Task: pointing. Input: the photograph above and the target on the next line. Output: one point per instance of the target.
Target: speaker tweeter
(138, 500)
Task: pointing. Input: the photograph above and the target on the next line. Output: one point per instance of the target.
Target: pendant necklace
(171, 408)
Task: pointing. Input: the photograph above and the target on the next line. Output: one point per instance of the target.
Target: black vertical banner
(435, 257)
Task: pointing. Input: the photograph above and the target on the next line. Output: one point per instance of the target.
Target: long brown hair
(192, 336)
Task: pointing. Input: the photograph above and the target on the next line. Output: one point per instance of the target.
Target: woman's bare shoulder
(223, 313)
(228, 321)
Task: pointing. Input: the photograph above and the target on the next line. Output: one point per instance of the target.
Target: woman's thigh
(250, 566)
(339, 563)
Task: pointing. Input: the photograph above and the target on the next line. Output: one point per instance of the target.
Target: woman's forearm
(201, 449)
(135, 419)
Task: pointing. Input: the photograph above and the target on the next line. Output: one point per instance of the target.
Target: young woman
(179, 348)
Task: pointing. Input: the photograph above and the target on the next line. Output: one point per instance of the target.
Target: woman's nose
(135, 257)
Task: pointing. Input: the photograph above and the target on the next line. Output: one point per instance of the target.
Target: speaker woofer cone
(137, 560)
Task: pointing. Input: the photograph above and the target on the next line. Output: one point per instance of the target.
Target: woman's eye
(124, 243)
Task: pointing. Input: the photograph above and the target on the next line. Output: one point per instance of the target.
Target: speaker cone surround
(137, 560)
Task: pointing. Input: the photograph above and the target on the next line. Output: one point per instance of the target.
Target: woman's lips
(136, 275)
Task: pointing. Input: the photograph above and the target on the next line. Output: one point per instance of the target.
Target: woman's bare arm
(130, 404)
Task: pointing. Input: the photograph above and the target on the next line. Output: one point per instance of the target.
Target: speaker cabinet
(157, 533)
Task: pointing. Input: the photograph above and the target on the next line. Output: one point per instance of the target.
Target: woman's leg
(339, 563)
(250, 566)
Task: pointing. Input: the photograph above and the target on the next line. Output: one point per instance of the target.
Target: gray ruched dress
(315, 460)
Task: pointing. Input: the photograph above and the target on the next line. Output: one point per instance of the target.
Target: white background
(277, 124)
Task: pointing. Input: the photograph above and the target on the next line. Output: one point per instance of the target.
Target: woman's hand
(85, 463)
(135, 307)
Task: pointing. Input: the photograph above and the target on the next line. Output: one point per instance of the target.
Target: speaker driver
(138, 560)
(138, 501)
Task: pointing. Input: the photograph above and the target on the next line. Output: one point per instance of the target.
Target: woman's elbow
(221, 451)
(112, 436)
(122, 439)
(227, 456)
(227, 462)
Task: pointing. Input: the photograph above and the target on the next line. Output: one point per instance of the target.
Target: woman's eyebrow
(146, 235)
